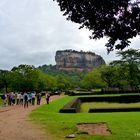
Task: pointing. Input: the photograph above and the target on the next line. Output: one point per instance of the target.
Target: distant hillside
(74, 77)
(71, 60)
(73, 65)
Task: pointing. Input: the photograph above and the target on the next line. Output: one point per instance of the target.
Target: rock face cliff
(74, 60)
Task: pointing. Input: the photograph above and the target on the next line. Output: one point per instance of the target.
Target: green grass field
(124, 126)
(86, 106)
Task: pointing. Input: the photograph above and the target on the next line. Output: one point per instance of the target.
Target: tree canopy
(25, 78)
(130, 63)
(4, 79)
(118, 20)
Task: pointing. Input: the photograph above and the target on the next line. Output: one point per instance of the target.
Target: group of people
(22, 99)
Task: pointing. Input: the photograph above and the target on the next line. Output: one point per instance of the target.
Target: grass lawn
(86, 106)
(124, 126)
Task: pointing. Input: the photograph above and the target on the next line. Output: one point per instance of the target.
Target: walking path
(14, 124)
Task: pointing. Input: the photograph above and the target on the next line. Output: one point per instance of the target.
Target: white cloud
(33, 30)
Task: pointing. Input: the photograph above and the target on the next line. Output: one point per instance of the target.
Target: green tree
(5, 79)
(130, 63)
(25, 78)
(42, 83)
(93, 80)
(46, 82)
(118, 20)
(109, 75)
(62, 83)
(72, 78)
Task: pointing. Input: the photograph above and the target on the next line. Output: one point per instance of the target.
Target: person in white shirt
(18, 98)
(33, 98)
(21, 99)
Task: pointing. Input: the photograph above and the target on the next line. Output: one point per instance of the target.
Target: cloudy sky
(31, 31)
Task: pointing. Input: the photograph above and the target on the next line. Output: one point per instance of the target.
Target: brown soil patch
(95, 128)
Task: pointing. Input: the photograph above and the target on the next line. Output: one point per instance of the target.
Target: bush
(118, 90)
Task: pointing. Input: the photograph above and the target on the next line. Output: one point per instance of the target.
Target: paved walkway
(14, 124)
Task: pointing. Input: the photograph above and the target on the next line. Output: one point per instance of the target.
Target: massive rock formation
(74, 60)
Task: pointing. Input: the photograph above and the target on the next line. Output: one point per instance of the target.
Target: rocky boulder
(74, 60)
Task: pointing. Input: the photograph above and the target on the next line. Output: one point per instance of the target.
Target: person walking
(21, 99)
(33, 98)
(13, 96)
(30, 98)
(4, 98)
(47, 98)
(10, 98)
(25, 97)
(38, 96)
(18, 98)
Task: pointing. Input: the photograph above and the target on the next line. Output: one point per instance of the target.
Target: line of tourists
(21, 98)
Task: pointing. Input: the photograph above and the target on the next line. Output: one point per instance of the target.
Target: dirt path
(14, 124)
